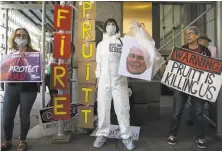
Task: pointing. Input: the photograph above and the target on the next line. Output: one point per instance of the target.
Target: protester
(47, 80)
(204, 41)
(18, 94)
(180, 98)
(111, 85)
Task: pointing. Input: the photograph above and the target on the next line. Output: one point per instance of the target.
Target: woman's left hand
(22, 54)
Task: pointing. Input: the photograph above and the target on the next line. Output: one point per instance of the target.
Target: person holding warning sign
(111, 85)
(180, 98)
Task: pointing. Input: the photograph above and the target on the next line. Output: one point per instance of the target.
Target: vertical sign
(86, 57)
(61, 50)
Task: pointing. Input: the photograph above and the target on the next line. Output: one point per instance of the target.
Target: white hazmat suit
(111, 85)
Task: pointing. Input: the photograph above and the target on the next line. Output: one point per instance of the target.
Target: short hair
(194, 29)
(146, 54)
(109, 21)
(13, 45)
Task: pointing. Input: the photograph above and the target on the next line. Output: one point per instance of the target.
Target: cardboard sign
(14, 68)
(86, 55)
(194, 74)
(86, 30)
(62, 17)
(86, 116)
(86, 94)
(86, 72)
(87, 10)
(61, 46)
(61, 107)
(59, 76)
(50, 125)
(114, 132)
(86, 50)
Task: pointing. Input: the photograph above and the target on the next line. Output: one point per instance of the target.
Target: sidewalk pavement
(153, 136)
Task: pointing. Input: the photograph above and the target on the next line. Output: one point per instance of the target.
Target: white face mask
(111, 29)
(21, 42)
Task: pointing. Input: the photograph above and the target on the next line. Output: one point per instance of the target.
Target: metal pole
(219, 55)
(173, 26)
(6, 31)
(163, 27)
(61, 122)
(43, 52)
(6, 36)
(186, 27)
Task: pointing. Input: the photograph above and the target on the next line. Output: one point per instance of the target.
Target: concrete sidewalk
(153, 137)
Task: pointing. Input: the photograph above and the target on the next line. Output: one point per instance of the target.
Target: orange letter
(87, 90)
(86, 26)
(60, 16)
(58, 77)
(86, 115)
(57, 106)
(86, 8)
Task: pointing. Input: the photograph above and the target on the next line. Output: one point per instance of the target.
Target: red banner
(62, 46)
(62, 17)
(59, 76)
(196, 60)
(61, 107)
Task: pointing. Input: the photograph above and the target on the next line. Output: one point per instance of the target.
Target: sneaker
(128, 143)
(201, 143)
(99, 142)
(172, 140)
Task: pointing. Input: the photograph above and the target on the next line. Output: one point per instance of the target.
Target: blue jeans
(12, 99)
(179, 103)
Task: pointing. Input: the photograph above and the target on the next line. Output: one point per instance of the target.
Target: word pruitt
(86, 62)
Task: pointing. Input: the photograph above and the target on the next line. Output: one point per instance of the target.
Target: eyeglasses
(21, 35)
(189, 34)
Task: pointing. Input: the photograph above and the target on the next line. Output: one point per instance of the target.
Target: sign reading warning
(194, 74)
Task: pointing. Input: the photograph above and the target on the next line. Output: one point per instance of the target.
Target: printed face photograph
(138, 60)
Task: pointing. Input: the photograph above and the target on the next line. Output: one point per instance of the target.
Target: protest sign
(86, 55)
(114, 132)
(62, 17)
(137, 58)
(59, 76)
(194, 74)
(62, 48)
(15, 68)
(61, 106)
(50, 124)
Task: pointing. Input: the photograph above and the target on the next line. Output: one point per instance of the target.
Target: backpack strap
(120, 41)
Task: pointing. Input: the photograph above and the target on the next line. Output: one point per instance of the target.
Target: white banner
(194, 74)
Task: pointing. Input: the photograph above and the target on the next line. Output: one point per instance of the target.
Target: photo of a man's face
(137, 61)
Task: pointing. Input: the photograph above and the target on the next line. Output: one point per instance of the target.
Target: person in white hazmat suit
(111, 85)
